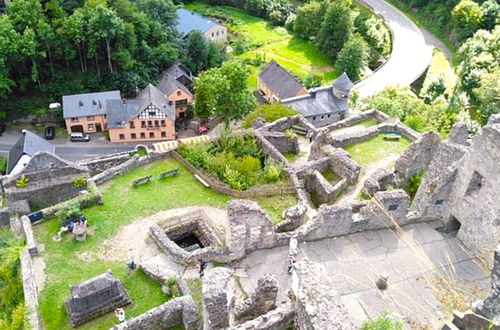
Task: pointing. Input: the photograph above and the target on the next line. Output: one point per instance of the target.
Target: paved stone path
(413, 261)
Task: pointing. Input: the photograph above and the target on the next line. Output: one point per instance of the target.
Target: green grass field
(376, 149)
(122, 205)
(301, 57)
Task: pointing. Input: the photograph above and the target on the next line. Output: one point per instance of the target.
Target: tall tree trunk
(108, 50)
(80, 56)
(97, 64)
(37, 73)
(50, 60)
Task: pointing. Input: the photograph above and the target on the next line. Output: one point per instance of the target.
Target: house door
(98, 128)
(76, 129)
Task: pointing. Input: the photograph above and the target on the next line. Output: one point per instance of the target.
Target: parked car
(79, 137)
(50, 132)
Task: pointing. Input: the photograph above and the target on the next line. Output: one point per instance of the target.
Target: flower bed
(237, 160)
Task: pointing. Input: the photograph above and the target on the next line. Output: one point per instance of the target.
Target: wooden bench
(140, 181)
(169, 173)
(300, 130)
(392, 135)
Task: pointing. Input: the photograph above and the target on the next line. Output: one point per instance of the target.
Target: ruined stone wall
(262, 300)
(117, 170)
(385, 210)
(432, 197)
(217, 293)
(379, 180)
(270, 149)
(318, 304)
(282, 142)
(279, 318)
(101, 164)
(176, 312)
(17, 208)
(29, 289)
(417, 157)
(474, 197)
(324, 190)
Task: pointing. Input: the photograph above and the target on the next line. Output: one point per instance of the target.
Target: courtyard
(118, 231)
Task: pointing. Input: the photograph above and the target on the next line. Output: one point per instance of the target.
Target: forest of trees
(52, 48)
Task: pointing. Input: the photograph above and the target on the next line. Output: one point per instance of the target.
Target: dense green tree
(308, 16)
(353, 57)
(312, 80)
(491, 14)
(374, 32)
(468, 17)
(196, 51)
(224, 92)
(336, 28)
(488, 95)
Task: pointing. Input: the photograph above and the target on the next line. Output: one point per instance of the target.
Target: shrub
(22, 182)
(234, 178)
(69, 210)
(383, 322)
(3, 165)
(272, 173)
(312, 80)
(196, 154)
(413, 183)
(270, 112)
(80, 182)
(290, 134)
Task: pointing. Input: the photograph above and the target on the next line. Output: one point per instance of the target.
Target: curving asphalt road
(411, 53)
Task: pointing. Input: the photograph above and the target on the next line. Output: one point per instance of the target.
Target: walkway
(411, 53)
(415, 263)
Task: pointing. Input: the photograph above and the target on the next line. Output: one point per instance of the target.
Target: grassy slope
(299, 56)
(376, 149)
(122, 205)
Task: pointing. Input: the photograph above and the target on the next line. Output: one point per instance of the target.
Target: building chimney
(94, 102)
(80, 103)
(100, 105)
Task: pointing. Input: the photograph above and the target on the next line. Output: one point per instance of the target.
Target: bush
(3, 165)
(270, 112)
(312, 80)
(272, 173)
(411, 187)
(383, 322)
(22, 182)
(69, 210)
(80, 182)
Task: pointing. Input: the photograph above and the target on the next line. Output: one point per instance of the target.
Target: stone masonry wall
(260, 302)
(101, 164)
(279, 318)
(179, 311)
(217, 293)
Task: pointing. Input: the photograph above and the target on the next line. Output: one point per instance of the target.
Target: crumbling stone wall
(17, 208)
(324, 190)
(318, 304)
(116, 170)
(279, 318)
(100, 164)
(29, 290)
(417, 157)
(282, 142)
(260, 302)
(490, 307)
(380, 179)
(385, 210)
(432, 196)
(217, 293)
(474, 197)
(179, 311)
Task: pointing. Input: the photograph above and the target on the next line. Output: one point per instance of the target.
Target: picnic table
(169, 173)
(141, 181)
(392, 134)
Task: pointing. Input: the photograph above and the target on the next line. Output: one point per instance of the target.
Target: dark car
(79, 137)
(50, 132)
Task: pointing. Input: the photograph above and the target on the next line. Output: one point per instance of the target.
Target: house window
(314, 118)
(181, 103)
(122, 136)
(150, 123)
(143, 135)
(132, 124)
(143, 124)
(133, 136)
(90, 118)
(91, 127)
(74, 120)
(152, 113)
(151, 135)
(217, 33)
(179, 93)
(157, 124)
(322, 117)
(212, 34)
(328, 115)
(163, 134)
(163, 123)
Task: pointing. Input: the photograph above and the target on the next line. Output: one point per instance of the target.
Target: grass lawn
(329, 175)
(368, 122)
(275, 205)
(376, 149)
(301, 57)
(122, 205)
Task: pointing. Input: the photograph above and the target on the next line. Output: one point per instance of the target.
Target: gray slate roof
(280, 81)
(190, 21)
(29, 144)
(168, 84)
(119, 112)
(90, 104)
(321, 101)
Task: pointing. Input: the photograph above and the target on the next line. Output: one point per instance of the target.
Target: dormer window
(94, 102)
(80, 103)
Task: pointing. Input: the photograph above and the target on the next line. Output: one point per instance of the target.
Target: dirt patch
(38, 272)
(133, 240)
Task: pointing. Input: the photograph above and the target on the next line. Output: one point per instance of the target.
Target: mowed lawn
(376, 149)
(123, 204)
(271, 42)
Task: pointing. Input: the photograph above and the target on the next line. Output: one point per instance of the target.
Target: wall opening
(476, 182)
(189, 242)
